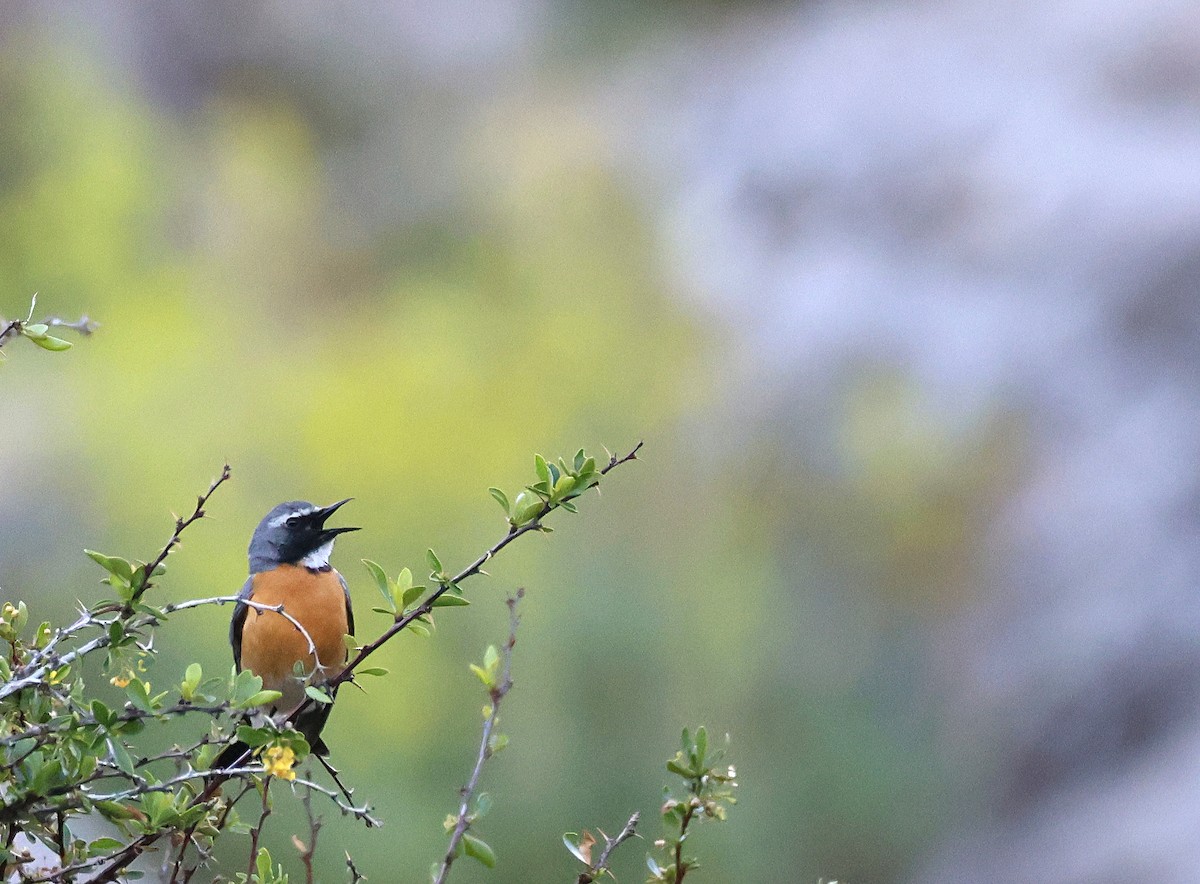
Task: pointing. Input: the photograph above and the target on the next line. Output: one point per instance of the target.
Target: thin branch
(347, 793)
(42, 668)
(355, 876)
(422, 610)
(498, 692)
(360, 813)
(258, 606)
(173, 541)
(84, 325)
(682, 868)
(256, 832)
(307, 851)
(610, 844)
(52, 728)
(9, 330)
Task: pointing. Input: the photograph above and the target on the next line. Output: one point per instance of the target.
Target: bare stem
(256, 832)
(497, 694)
(610, 844)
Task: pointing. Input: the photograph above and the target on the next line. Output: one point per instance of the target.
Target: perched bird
(289, 565)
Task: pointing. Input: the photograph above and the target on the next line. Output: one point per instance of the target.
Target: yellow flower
(120, 681)
(278, 761)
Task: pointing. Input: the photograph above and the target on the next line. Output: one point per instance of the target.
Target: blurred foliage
(249, 313)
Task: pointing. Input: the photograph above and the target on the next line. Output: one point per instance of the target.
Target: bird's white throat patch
(319, 557)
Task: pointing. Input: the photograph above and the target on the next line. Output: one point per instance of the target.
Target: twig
(498, 691)
(256, 832)
(333, 772)
(402, 622)
(314, 827)
(40, 670)
(682, 868)
(173, 541)
(355, 877)
(360, 813)
(610, 844)
(258, 606)
(84, 325)
(9, 329)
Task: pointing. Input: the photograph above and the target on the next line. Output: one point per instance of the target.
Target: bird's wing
(349, 607)
(238, 621)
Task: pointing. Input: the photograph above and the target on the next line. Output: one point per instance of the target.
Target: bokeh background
(900, 295)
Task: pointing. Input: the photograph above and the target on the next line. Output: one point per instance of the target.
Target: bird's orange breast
(271, 644)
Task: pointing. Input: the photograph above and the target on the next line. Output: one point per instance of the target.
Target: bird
(289, 565)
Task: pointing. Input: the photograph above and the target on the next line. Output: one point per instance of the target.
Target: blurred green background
(495, 286)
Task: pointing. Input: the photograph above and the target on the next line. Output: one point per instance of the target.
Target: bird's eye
(293, 521)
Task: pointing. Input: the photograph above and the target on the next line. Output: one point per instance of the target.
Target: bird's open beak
(326, 511)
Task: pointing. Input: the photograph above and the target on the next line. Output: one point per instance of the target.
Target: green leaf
(103, 845)
(262, 864)
(112, 564)
(574, 848)
(483, 675)
(36, 330)
(482, 804)
(317, 694)
(419, 628)
(563, 486)
(46, 776)
(479, 850)
(411, 595)
(501, 498)
(49, 342)
(579, 460)
(701, 746)
(449, 601)
(676, 768)
(435, 564)
(380, 577)
(259, 699)
(139, 695)
(491, 658)
(541, 468)
(42, 637)
(374, 670)
(525, 508)
(103, 715)
(254, 736)
(120, 756)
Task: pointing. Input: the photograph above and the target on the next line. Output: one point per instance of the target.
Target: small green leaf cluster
(401, 598)
(470, 845)
(264, 872)
(557, 485)
(127, 578)
(39, 333)
(710, 786)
